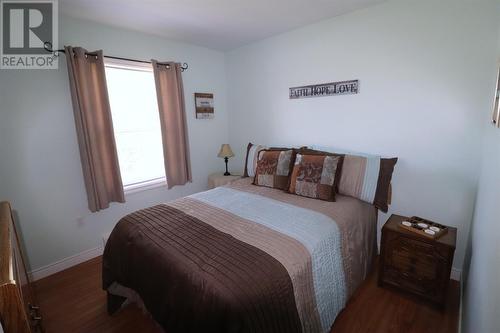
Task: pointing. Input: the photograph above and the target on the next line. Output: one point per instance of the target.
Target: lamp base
(227, 172)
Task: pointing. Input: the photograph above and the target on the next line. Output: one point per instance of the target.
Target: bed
(242, 258)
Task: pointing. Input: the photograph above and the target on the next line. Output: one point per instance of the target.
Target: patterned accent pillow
(251, 157)
(273, 168)
(308, 151)
(316, 176)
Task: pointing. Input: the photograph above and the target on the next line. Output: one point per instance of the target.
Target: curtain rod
(48, 47)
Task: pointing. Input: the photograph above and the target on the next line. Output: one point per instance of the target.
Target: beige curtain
(94, 128)
(170, 94)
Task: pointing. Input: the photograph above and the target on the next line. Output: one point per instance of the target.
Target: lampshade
(225, 151)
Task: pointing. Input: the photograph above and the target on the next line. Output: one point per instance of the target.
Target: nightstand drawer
(410, 282)
(412, 258)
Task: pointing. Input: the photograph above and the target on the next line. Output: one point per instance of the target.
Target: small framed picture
(204, 104)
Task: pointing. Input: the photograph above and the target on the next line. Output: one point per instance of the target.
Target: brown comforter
(213, 263)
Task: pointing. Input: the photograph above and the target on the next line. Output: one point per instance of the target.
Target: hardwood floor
(72, 301)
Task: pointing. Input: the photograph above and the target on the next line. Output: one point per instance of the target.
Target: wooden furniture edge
(13, 317)
(6, 265)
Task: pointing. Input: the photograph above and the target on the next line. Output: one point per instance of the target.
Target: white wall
(481, 293)
(39, 159)
(425, 71)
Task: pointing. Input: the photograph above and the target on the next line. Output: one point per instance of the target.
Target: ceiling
(217, 24)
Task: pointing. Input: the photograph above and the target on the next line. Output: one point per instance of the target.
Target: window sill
(144, 186)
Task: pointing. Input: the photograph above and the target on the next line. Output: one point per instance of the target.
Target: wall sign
(204, 104)
(325, 89)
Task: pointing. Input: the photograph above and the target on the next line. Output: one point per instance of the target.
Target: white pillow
(252, 154)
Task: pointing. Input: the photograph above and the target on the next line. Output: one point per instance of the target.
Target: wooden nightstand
(415, 263)
(218, 179)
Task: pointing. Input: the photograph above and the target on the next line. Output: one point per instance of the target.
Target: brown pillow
(251, 158)
(273, 168)
(315, 175)
(309, 151)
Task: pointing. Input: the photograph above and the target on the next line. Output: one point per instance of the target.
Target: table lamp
(225, 152)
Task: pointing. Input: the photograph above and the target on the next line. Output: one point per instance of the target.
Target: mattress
(243, 258)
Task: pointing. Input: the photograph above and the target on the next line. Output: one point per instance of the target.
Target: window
(136, 123)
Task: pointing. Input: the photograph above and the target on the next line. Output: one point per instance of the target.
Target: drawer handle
(33, 307)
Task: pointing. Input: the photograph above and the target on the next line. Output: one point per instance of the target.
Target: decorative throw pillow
(309, 151)
(368, 178)
(273, 168)
(251, 158)
(315, 175)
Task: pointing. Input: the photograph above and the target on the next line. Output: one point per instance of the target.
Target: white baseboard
(456, 274)
(65, 263)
